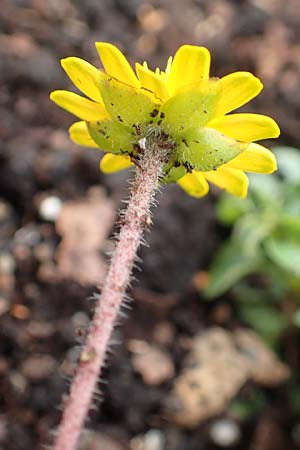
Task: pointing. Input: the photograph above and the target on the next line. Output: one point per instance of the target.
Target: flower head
(182, 106)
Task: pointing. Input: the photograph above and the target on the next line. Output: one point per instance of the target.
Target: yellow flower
(185, 108)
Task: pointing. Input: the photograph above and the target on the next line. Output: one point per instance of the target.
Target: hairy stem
(93, 354)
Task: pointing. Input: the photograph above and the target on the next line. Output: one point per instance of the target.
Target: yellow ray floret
(255, 158)
(113, 163)
(232, 180)
(79, 106)
(80, 135)
(194, 184)
(115, 64)
(246, 127)
(85, 76)
(190, 65)
(238, 88)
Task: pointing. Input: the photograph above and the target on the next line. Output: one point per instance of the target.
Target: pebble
(28, 236)
(20, 312)
(94, 440)
(153, 440)
(18, 383)
(38, 367)
(50, 208)
(224, 432)
(4, 306)
(7, 263)
(154, 365)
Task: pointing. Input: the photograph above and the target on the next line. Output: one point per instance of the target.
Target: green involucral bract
(111, 136)
(182, 119)
(172, 173)
(194, 105)
(206, 148)
(125, 103)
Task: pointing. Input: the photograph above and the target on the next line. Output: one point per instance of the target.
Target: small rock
(152, 440)
(164, 333)
(50, 208)
(38, 367)
(40, 330)
(18, 382)
(28, 236)
(224, 432)
(4, 306)
(93, 440)
(7, 263)
(20, 312)
(154, 365)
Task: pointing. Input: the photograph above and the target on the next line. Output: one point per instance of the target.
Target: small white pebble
(152, 440)
(7, 263)
(142, 143)
(224, 432)
(50, 208)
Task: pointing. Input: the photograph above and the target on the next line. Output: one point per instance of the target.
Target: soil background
(52, 196)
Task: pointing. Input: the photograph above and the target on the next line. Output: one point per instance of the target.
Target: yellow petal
(153, 82)
(194, 184)
(255, 158)
(85, 76)
(191, 64)
(232, 180)
(115, 63)
(113, 163)
(79, 106)
(246, 127)
(80, 135)
(237, 89)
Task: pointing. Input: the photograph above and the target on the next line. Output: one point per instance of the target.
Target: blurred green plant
(265, 242)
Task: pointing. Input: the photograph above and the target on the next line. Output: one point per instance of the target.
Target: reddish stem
(93, 355)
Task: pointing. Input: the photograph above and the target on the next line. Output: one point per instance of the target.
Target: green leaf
(296, 318)
(267, 321)
(289, 217)
(265, 189)
(288, 159)
(229, 266)
(230, 208)
(285, 253)
(252, 229)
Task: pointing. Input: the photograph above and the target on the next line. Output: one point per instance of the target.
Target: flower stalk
(92, 358)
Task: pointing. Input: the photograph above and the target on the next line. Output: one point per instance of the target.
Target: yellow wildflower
(182, 105)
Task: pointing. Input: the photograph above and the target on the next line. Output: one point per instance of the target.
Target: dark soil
(42, 306)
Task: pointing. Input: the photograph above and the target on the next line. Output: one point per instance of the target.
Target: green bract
(112, 135)
(206, 149)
